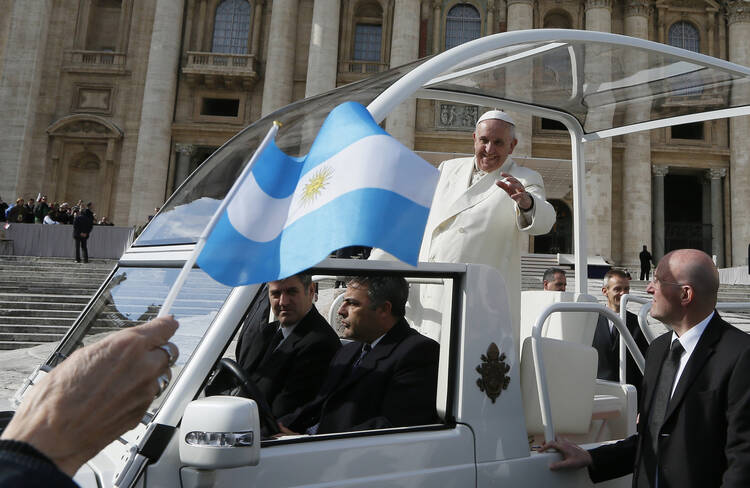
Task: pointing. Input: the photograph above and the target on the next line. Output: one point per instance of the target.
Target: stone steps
(40, 298)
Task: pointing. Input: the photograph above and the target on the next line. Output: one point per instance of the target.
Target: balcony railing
(220, 68)
(363, 67)
(94, 61)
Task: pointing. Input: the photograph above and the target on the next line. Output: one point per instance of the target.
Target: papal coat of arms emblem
(494, 373)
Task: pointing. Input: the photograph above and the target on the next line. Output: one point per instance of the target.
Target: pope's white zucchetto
(496, 115)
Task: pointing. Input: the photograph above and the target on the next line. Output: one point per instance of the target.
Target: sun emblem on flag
(316, 184)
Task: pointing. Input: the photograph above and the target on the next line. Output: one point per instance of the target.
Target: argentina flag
(358, 186)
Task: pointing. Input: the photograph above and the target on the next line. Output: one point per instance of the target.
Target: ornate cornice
(637, 8)
(598, 4)
(737, 11)
(525, 2)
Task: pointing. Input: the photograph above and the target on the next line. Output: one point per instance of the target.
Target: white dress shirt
(689, 340)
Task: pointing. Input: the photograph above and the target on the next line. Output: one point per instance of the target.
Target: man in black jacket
(82, 226)
(607, 339)
(288, 359)
(386, 378)
(694, 427)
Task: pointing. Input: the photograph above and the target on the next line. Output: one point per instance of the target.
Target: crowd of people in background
(41, 212)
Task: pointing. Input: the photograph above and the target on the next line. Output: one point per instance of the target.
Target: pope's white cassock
(480, 224)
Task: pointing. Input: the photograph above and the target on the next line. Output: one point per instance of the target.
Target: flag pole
(177, 286)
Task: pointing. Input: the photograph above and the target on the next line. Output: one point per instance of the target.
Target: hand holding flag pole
(177, 286)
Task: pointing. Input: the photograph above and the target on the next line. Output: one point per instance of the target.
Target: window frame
(446, 11)
(250, 19)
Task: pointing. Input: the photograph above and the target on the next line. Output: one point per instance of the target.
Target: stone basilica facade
(117, 101)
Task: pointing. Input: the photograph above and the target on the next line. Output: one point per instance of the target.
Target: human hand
(284, 430)
(516, 191)
(98, 393)
(574, 456)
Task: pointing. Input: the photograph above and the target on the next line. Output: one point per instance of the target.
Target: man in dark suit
(646, 260)
(386, 378)
(288, 359)
(82, 226)
(694, 428)
(607, 338)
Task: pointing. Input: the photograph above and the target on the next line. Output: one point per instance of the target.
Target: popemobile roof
(598, 84)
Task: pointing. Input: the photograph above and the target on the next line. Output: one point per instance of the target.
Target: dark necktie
(365, 349)
(313, 429)
(275, 341)
(614, 335)
(664, 392)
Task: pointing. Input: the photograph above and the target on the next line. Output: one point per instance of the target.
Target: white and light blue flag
(358, 186)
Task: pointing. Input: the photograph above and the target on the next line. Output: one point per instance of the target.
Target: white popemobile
(503, 388)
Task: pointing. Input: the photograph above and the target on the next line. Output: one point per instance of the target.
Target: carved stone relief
(456, 116)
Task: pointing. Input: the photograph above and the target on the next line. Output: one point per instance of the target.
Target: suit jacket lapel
(298, 333)
(703, 350)
(468, 195)
(382, 350)
(657, 351)
(258, 348)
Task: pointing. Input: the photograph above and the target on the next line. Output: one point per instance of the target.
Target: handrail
(643, 326)
(536, 334)
(646, 308)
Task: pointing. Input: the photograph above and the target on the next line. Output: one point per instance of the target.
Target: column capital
(186, 149)
(637, 8)
(737, 11)
(525, 2)
(490, 4)
(598, 4)
(437, 4)
(716, 173)
(659, 170)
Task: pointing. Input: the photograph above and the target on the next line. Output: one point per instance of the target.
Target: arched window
(684, 35)
(368, 37)
(232, 27)
(462, 24)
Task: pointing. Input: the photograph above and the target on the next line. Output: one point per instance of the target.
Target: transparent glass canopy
(608, 84)
(602, 85)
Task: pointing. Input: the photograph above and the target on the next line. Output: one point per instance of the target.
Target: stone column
(658, 225)
(282, 44)
(155, 131)
(490, 28)
(636, 160)
(324, 48)
(182, 168)
(520, 16)
(437, 21)
(717, 214)
(738, 12)
(404, 48)
(257, 27)
(20, 77)
(598, 154)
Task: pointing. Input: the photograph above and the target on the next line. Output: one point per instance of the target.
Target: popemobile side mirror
(220, 432)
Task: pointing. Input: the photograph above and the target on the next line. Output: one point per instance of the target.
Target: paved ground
(15, 366)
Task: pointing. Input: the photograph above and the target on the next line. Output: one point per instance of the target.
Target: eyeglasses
(658, 282)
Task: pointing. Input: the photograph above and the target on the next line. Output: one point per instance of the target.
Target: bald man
(694, 427)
